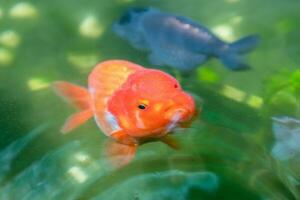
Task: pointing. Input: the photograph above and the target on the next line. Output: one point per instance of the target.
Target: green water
(224, 155)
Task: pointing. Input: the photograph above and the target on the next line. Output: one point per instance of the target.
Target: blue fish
(179, 41)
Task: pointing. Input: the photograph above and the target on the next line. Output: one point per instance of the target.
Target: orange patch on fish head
(151, 101)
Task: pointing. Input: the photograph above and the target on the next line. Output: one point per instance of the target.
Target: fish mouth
(179, 115)
(126, 18)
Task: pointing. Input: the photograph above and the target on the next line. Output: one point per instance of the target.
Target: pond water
(238, 147)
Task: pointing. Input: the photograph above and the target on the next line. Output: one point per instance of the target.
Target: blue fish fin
(201, 58)
(234, 62)
(244, 44)
(232, 58)
(189, 61)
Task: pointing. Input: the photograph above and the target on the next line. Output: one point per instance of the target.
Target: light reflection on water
(23, 10)
(90, 27)
(6, 57)
(10, 38)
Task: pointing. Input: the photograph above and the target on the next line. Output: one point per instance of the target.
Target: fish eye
(142, 106)
(175, 86)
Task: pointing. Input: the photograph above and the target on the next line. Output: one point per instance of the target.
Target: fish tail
(234, 62)
(244, 44)
(80, 98)
(233, 57)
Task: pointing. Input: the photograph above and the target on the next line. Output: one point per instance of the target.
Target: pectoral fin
(171, 142)
(119, 154)
(185, 124)
(122, 137)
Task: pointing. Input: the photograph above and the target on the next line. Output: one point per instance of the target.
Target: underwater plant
(282, 93)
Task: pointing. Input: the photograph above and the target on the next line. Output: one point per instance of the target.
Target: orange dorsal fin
(79, 97)
(108, 76)
(104, 80)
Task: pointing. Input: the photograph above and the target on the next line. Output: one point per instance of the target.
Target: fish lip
(178, 113)
(177, 117)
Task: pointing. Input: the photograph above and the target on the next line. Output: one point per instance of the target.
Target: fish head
(129, 24)
(153, 103)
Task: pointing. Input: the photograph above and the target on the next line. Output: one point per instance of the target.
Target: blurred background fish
(287, 134)
(178, 41)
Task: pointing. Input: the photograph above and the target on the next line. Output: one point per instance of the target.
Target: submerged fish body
(130, 104)
(179, 41)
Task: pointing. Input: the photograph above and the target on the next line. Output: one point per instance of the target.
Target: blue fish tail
(233, 57)
(234, 62)
(244, 44)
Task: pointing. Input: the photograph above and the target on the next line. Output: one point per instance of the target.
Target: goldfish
(130, 104)
(178, 41)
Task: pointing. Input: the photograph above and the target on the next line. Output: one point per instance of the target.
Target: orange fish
(131, 104)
